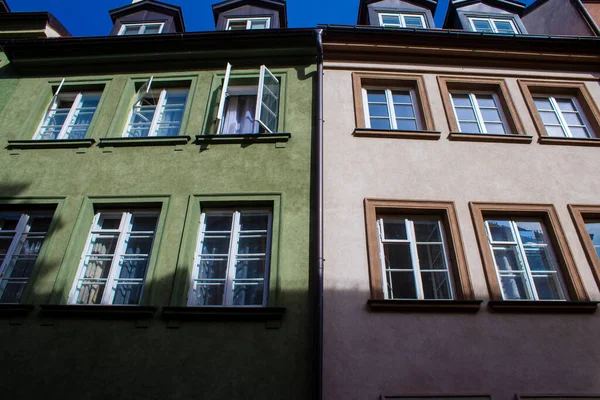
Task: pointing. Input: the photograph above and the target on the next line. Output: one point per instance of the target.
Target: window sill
(144, 141)
(567, 141)
(487, 137)
(455, 306)
(244, 138)
(50, 144)
(15, 310)
(396, 134)
(97, 311)
(528, 306)
(224, 313)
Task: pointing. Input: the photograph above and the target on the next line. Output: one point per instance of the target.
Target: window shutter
(223, 98)
(143, 91)
(267, 100)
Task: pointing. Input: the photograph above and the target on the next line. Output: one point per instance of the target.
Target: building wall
(368, 354)
(556, 17)
(91, 358)
(594, 10)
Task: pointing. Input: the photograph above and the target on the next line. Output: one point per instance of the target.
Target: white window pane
(566, 104)
(548, 287)
(152, 29)
(579, 132)
(500, 231)
(572, 118)
(396, 229)
(504, 27)
(507, 259)
(248, 294)
(380, 123)
(127, 293)
(397, 256)
(465, 114)
(531, 232)
(404, 111)
(376, 96)
(514, 287)
(252, 244)
(461, 100)
(262, 24)
(207, 294)
(378, 110)
(490, 115)
(549, 118)
(482, 26)
(391, 20)
(495, 128)
(213, 268)
(539, 259)
(11, 290)
(216, 244)
(254, 222)
(486, 101)
(427, 231)
(91, 293)
(431, 256)
(407, 124)
(401, 285)
(469, 127)
(555, 131)
(131, 30)
(436, 285)
(413, 21)
(401, 97)
(593, 229)
(543, 104)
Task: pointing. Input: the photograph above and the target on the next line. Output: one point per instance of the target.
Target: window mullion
(390, 105)
(521, 250)
(560, 116)
(402, 21)
(493, 25)
(478, 114)
(158, 113)
(384, 281)
(117, 263)
(142, 29)
(446, 263)
(232, 261)
(366, 108)
(415, 258)
(71, 116)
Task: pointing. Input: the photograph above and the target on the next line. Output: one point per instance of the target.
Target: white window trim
(390, 106)
(142, 27)
(124, 232)
(231, 255)
(20, 231)
(416, 268)
(518, 244)
(561, 119)
(401, 19)
(492, 22)
(249, 22)
(477, 111)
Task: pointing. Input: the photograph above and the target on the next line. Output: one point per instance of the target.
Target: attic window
(401, 20)
(493, 25)
(141, 29)
(242, 24)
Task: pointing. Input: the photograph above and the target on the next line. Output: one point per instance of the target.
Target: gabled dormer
(486, 16)
(233, 15)
(146, 17)
(397, 13)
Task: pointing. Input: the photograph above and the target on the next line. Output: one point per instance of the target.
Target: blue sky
(90, 17)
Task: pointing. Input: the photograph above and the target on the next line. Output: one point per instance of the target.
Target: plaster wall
(556, 17)
(369, 354)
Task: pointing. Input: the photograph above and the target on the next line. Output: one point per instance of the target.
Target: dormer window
(242, 24)
(401, 20)
(493, 25)
(141, 29)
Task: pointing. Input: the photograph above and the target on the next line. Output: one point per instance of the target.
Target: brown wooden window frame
(446, 211)
(547, 213)
(489, 85)
(389, 81)
(579, 214)
(577, 90)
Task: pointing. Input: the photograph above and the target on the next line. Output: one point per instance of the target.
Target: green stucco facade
(87, 357)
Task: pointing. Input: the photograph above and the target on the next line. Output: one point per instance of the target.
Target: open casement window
(115, 259)
(231, 263)
(493, 25)
(401, 20)
(141, 29)
(247, 109)
(479, 113)
(241, 24)
(21, 238)
(391, 109)
(157, 111)
(69, 114)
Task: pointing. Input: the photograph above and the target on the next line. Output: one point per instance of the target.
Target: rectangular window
(157, 111)
(524, 260)
(241, 24)
(249, 107)
(115, 259)
(394, 20)
(413, 258)
(478, 113)
(232, 258)
(141, 29)
(493, 25)
(562, 116)
(21, 238)
(391, 109)
(587, 222)
(69, 114)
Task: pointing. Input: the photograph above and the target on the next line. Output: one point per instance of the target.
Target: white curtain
(239, 115)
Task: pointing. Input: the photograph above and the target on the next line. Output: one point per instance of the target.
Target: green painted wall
(93, 359)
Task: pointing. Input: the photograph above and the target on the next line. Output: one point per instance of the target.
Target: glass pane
(548, 287)
(376, 96)
(572, 118)
(404, 111)
(500, 231)
(258, 24)
(397, 256)
(436, 285)
(109, 222)
(469, 127)
(461, 100)
(5, 243)
(104, 245)
(555, 131)
(395, 229)
(139, 245)
(97, 268)
(252, 244)
(513, 288)
(270, 102)
(531, 232)
(207, 295)
(431, 256)
(216, 245)
(143, 223)
(504, 27)
(248, 295)
(413, 22)
(152, 29)
(579, 132)
(490, 115)
(486, 101)
(380, 123)
(250, 268)
(378, 110)
(401, 285)
(91, 293)
(126, 293)
(31, 246)
(131, 30)
(407, 124)
(401, 97)
(237, 25)
(495, 129)
(254, 222)
(593, 229)
(507, 259)
(39, 224)
(11, 291)
(465, 114)
(20, 268)
(549, 118)
(427, 231)
(213, 268)
(482, 26)
(9, 222)
(390, 20)
(539, 259)
(566, 104)
(542, 103)
(218, 222)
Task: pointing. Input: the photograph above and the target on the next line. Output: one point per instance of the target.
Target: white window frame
(389, 99)
(528, 281)
(124, 233)
(478, 115)
(142, 27)
(232, 254)
(561, 118)
(401, 19)
(492, 22)
(249, 22)
(21, 232)
(260, 91)
(412, 241)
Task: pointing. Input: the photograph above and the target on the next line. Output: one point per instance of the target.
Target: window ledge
(457, 306)
(15, 310)
(50, 144)
(396, 134)
(144, 141)
(97, 311)
(528, 306)
(210, 313)
(487, 137)
(567, 141)
(244, 138)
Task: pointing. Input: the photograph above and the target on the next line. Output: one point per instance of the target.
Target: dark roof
(277, 5)
(364, 4)
(28, 20)
(153, 5)
(4, 7)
